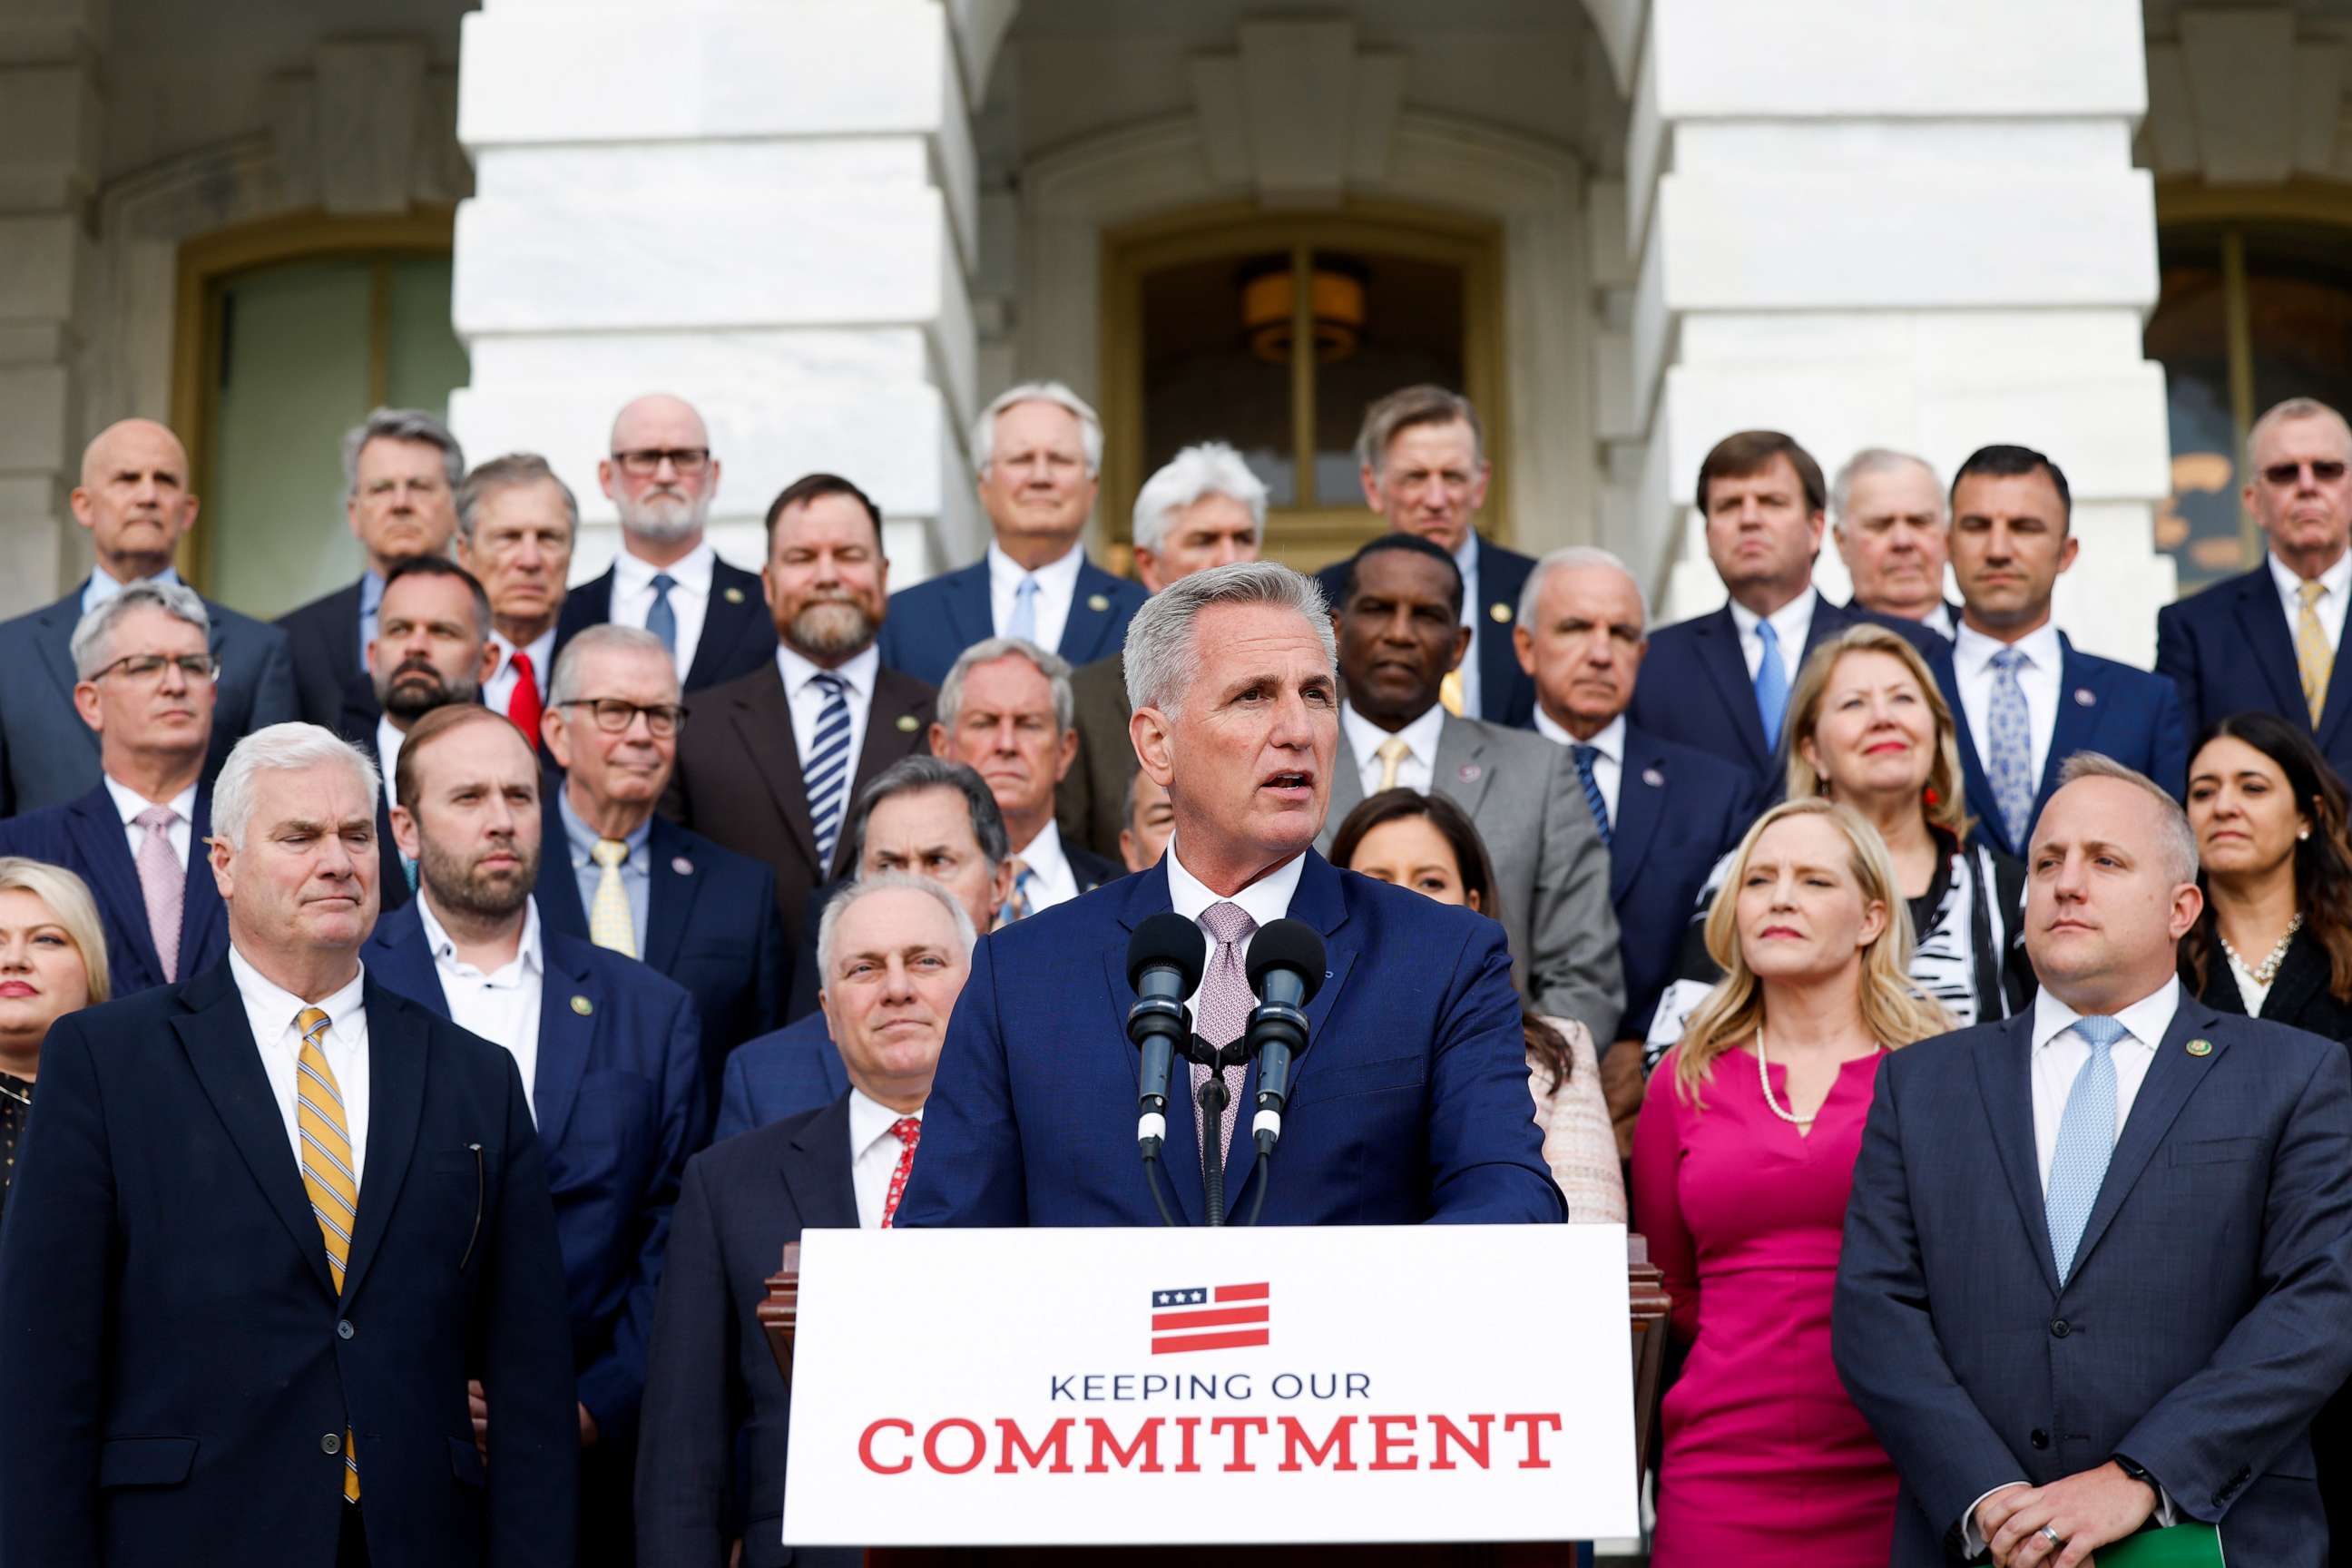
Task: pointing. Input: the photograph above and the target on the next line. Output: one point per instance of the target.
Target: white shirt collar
(528, 958)
(860, 670)
(264, 1000)
(1791, 623)
(103, 585)
(2147, 1019)
(1466, 558)
(1366, 737)
(542, 650)
(128, 802)
(1972, 651)
(2337, 579)
(693, 570)
(1265, 900)
(1610, 742)
(1059, 577)
(1939, 620)
(870, 1120)
(1044, 855)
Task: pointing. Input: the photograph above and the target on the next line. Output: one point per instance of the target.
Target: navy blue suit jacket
(2200, 1329)
(619, 1104)
(1678, 812)
(2103, 707)
(179, 1352)
(2230, 649)
(85, 838)
(738, 636)
(1506, 693)
(930, 624)
(323, 640)
(795, 1069)
(1409, 1102)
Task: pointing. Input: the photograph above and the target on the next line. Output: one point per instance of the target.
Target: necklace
(1764, 1082)
(2267, 971)
(23, 1099)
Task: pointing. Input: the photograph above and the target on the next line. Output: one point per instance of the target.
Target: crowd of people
(1959, 1017)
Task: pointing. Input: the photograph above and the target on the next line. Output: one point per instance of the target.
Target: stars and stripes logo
(1210, 1318)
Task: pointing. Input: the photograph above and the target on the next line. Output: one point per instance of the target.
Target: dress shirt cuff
(1973, 1544)
(2167, 1516)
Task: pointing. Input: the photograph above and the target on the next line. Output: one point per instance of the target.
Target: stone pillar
(1920, 229)
(769, 210)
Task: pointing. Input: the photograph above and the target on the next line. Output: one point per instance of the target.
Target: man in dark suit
(1039, 451)
(134, 498)
(774, 757)
(661, 477)
(2098, 1257)
(897, 951)
(1415, 1045)
(610, 1052)
(138, 839)
(401, 471)
(213, 1362)
(614, 873)
(2022, 698)
(1889, 515)
(2270, 639)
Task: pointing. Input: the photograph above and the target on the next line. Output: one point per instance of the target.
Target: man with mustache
(609, 1052)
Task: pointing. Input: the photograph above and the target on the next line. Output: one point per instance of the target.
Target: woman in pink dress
(1742, 1158)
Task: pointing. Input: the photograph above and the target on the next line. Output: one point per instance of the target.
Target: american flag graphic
(1210, 1318)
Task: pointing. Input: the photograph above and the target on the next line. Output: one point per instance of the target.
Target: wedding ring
(2056, 1538)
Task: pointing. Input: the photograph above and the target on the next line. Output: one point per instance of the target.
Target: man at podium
(1410, 1100)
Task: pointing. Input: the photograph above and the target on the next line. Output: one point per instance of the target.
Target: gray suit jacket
(49, 756)
(1551, 870)
(1091, 800)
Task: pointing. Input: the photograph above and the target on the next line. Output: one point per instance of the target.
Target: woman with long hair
(1742, 1159)
(52, 962)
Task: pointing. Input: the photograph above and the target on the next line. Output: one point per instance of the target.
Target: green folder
(2189, 1544)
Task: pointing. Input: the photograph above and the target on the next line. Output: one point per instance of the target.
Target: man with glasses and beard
(661, 477)
(609, 1053)
(772, 759)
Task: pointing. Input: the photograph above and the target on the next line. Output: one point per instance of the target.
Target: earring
(2303, 835)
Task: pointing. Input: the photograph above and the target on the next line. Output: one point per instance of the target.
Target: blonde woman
(1742, 1157)
(52, 962)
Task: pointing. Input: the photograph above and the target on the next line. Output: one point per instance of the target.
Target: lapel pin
(734, 595)
(581, 1006)
(1097, 602)
(1501, 612)
(682, 866)
(2200, 1048)
(909, 723)
(2082, 697)
(1653, 778)
(1471, 772)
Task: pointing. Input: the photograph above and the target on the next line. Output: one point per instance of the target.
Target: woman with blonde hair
(1742, 1159)
(52, 962)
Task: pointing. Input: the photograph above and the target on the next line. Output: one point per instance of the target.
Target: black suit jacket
(738, 636)
(85, 838)
(2230, 649)
(1506, 693)
(712, 1391)
(1678, 812)
(182, 1370)
(357, 724)
(324, 639)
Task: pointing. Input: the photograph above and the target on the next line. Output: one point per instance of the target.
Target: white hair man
(1893, 524)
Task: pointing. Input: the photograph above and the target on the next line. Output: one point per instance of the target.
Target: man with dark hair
(2024, 699)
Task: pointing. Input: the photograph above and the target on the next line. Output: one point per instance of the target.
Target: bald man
(661, 475)
(135, 500)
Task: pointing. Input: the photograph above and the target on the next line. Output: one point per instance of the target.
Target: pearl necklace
(2268, 969)
(1764, 1082)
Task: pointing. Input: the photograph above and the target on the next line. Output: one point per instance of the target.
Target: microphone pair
(1165, 959)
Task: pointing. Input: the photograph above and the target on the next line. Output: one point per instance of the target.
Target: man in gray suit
(1400, 627)
(134, 498)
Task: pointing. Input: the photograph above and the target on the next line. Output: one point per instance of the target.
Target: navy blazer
(794, 1069)
(930, 624)
(85, 836)
(619, 1105)
(2230, 649)
(1409, 1102)
(738, 636)
(1506, 695)
(2112, 709)
(49, 756)
(2200, 1329)
(182, 1370)
(1679, 810)
(323, 640)
(356, 723)
(712, 1393)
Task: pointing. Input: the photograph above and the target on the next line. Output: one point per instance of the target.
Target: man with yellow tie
(269, 1222)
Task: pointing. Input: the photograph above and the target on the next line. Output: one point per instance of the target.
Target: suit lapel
(2005, 1082)
(557, 888)
(1640, 806)
(815, 1168)
(2172, 1078)
(1461, 768)
(398, 957)
(397, 1052)
(2071, 726)
(2301, 975)
(763, 721)
(1086, 629)
(567, 1032)
(106, 854)
(54, 636)
(896, 722)
(966, 603)
(722, 625)
(1718, 638)
(2263, 628)
(202, 913)
(1347, 785)
(1321, 902)
(674, 883)
(1977, 784)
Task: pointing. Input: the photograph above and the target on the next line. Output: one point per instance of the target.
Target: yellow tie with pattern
(610, 924)
(327, 1173)
(2314, 658)
(1392, 753)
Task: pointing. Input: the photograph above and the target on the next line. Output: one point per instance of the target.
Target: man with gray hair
(1037, 450)
(401, 472)
(346, 1191)
(1415, 1046)
(1893, 526)
(516, 524)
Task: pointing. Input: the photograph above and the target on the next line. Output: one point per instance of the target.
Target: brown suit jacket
(1090, 802)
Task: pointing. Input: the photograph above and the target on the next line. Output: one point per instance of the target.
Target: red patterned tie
(523, 707)
(910, 1131)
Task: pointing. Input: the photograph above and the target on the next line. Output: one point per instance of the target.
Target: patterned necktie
(2009, 746)
(1223, 1013)
(1020, 906)
(2086, 1140)
(2315, 660)
(523, 706)
(661, 620)
(909, 1131)
(1771, 685)
(1024, 624)
(327, 1173)
(828, 765)
(1391, 756)
(1592, 796)
(610, 923)
(164, 882)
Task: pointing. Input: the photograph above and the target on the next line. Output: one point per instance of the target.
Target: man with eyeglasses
(660, 474)
(2268, 640)
(135, 500)
(616, 874)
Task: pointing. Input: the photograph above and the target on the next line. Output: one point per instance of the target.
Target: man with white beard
(660, 474)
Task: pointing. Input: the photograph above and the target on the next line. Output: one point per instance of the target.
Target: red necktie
(523, 707)
(910, 1132)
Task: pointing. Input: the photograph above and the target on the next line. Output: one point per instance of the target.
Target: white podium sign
(1092, 1387)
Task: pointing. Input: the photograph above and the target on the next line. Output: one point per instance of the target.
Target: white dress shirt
(874, 1152)
(1051, 880)
(1608, 759)
(1265, 900)
(2041, 679)
(271, 1012)
(102, 586)
(1467, 559)
(501, 1006)
(1365, 738)
(1057, 584)
(128, 802)
(498, 690)
(689, 595)
(388, 737)
(1939, 620)
(807, 698)
(2336, 581)
(1792, 622)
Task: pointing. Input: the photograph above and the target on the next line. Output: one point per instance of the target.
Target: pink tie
(910, 1131)
(1223, 1013)
(163, 881)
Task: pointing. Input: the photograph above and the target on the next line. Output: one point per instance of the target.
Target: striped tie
(828, 765)
(327, 1173)
(1592, 796)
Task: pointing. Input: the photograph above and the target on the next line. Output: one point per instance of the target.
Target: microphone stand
(1213, 1155)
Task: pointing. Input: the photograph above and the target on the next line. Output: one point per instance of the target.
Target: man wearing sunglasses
(2268, 639)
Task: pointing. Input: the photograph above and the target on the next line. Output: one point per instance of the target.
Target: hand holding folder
(2189, 1544)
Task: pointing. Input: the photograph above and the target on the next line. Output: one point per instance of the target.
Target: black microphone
(1285, 970)
(1165, 958)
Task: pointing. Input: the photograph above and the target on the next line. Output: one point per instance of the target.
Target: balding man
(661, 477)
(135, 500)
(1894, 532)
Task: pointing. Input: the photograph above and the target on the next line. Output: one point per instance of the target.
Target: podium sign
(1097, 1388)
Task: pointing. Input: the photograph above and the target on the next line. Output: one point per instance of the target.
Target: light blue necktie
(1771, 685)
(2086, 1140)
(2009, 747)
(1592, 796)
(662, 620)
(827, 774)
(1024, 624)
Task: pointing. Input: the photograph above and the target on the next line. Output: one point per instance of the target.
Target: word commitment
(1187, 1445)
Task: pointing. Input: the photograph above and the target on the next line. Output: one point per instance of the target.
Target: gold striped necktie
(610, 923)
(2315, 659)
(327, 1173)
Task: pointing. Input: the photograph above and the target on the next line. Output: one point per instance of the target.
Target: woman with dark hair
(1427, 843)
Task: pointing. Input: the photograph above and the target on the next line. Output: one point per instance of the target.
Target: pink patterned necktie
(1223, 1013)
(163, 881)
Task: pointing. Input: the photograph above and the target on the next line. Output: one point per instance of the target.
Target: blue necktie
(2009, 747)
(1592, 797)
(662, 620)
(827, 774)
(1024, 624)
(2086, 1140)
(1771, 685)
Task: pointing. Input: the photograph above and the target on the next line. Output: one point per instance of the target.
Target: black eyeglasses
(150, 666)
(2324, 470)
(647, 460)
(614, 716)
